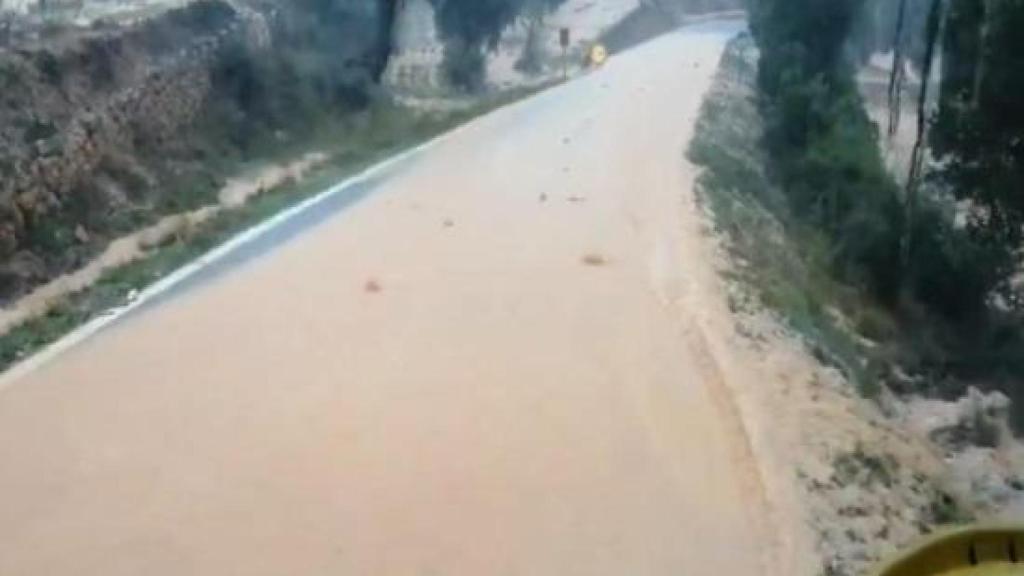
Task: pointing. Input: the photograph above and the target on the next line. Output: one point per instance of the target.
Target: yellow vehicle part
(973, 551)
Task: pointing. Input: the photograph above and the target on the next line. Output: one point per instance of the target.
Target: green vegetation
(879, 21)
(864, 468)
(823, 148)
(377, 133)
(317, 82)
(787, 263)
(939, 292)
(322, 69)
(470, 27)
(784, 261)
(316, 89)
(945, 510)
(977, 131)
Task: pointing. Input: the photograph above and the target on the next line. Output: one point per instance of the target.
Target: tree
(980, 124)
(823, 147)
(917, 157)
(897, 75)
(976, 134)
(471, 27)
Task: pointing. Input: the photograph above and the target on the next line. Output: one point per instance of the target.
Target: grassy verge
(384, 131)
(782, 264)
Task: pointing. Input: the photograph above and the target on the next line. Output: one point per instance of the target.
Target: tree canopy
(470, 27)
(978, 132)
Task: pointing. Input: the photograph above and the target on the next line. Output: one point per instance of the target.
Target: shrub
(951, 273)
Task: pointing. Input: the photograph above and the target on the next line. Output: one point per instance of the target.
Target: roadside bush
(824, 151)
(324, 64)
(51, 69)
(464, 65)
(470, 27)
(951, 273)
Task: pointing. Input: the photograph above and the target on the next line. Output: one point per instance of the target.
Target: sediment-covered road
(489, 366)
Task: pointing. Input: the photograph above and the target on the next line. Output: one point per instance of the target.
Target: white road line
(89, 329)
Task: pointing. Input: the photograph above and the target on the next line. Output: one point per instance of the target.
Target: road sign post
(563, 40)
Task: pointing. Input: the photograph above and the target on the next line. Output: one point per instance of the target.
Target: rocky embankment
(106, 127)
(75, 117)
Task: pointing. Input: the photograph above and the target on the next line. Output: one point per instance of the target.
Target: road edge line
(82, 333)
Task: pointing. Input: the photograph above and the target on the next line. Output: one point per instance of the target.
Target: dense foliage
(470, 27)
(943, 268)
(327, 57)
(877, 24)
(899, 245)
(823, 147)
(978, 133)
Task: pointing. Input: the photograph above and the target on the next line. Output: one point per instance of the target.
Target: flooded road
(487, 366)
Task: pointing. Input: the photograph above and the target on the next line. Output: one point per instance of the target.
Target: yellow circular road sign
(597, 56)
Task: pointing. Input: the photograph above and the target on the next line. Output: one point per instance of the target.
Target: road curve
(485, 367)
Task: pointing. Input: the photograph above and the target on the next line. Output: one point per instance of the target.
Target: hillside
(109, 126)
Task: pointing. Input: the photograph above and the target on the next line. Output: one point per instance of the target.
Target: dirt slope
(507, 361)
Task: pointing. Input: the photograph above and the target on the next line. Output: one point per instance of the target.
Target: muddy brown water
(492, 406)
